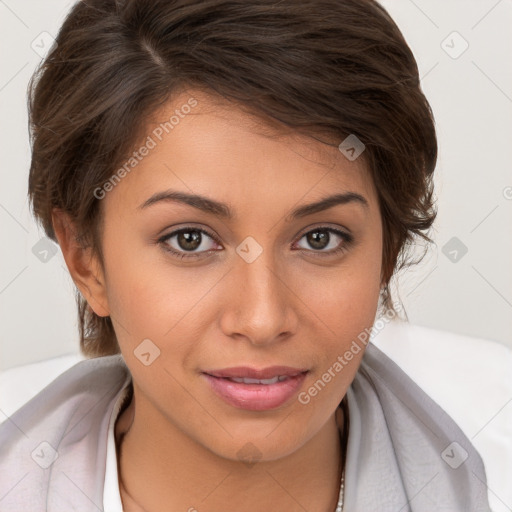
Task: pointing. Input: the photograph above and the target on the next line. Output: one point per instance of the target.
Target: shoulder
(397, 423)
(60, 435)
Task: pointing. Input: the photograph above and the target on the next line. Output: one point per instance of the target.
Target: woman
(233, 185)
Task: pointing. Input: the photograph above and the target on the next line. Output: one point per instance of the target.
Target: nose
(260, 302)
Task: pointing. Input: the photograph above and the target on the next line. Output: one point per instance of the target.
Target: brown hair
(335, 66)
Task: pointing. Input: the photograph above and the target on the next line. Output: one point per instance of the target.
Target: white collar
(111, 494)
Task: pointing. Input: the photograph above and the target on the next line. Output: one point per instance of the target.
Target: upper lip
(254, 373)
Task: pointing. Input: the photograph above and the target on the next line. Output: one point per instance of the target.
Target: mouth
(253, 389)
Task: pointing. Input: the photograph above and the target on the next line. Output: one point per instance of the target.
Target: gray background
(471, 94)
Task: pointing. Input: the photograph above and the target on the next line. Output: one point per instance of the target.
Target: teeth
(244, 380)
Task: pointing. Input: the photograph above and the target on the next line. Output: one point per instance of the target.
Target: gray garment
(404, 454)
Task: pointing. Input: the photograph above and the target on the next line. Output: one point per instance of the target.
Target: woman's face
(192, 291)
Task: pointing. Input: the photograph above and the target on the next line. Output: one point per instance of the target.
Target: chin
(250, 448)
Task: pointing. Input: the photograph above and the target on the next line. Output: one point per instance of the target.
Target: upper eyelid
(190, 228)
(337, 229)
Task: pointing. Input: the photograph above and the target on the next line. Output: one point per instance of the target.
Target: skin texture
(287, 307)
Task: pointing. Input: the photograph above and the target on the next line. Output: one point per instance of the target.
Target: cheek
(150, 298)
(347, 305)
(347, 294)
(136, 292)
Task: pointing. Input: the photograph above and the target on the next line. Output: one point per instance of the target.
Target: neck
(160, 468)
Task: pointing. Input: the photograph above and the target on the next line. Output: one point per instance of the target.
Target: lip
(255, 397)
(253, 373)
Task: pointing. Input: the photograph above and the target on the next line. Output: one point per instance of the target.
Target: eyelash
(348, 241)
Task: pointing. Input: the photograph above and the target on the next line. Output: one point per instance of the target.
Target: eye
(190, 242)
(321, 238)
(193, 241)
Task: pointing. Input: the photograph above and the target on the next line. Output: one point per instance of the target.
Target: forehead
(202, 143)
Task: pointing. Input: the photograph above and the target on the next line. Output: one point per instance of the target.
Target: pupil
(187, 241)
(318, 239)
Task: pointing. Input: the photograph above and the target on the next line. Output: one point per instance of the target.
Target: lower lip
(255, 397)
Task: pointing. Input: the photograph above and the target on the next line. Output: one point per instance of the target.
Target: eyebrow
(223, 211)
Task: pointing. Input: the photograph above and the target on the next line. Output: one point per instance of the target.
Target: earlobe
(83, 265)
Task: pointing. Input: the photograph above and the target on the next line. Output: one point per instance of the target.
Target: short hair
(315, 66)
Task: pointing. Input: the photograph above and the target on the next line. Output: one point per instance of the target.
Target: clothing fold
(405, 453)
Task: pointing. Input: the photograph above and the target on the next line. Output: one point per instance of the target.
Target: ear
(83, 265)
